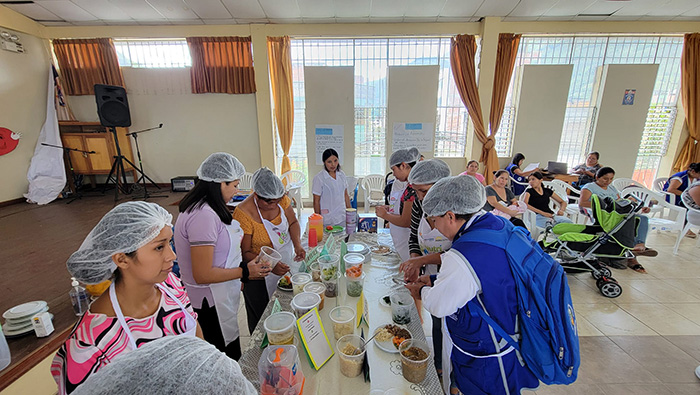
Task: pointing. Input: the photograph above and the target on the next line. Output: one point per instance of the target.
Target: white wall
(194, 125)
(618, 128)
(24, 79)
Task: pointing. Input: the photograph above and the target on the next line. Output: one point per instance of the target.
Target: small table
(385, 368)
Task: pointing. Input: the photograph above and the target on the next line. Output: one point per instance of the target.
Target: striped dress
(97, 339)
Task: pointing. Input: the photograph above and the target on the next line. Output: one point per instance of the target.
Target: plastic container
(5, 357)
(329, 265)
(305, 302)
(300, 280)
(354, 285)
(315, 270)
(79, 298)
(350, 220)
(401, 306)
(353, 264)
(280, 328)
(351, 353)
(318, 289)
(313, 238)
(331, 287)
(316, 222)
(269, 256)
(414, 369)
(343, 318)
(280, 371)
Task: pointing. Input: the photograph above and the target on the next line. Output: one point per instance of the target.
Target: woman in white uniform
(330, 190)
(398, 212)
(209, 244)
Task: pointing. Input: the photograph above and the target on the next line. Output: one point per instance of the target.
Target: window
(153, 53)
(587, 54)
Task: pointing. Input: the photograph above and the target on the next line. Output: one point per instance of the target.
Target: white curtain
(47, 174)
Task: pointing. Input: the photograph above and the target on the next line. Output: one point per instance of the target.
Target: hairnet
(221, 167)
(266, 184)
(459, 194)
(125, 228)
(169, 365)
(404, 156)
(428, 172)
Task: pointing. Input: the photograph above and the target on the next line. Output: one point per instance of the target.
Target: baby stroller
(587, 247)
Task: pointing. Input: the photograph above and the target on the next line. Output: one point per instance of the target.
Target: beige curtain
(86, 62)
(690, 98)
(221, 65)
(280, 64)
(462, 53)
(505, 61)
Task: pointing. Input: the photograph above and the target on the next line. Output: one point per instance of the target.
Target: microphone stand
(71, 181)
(143, 177)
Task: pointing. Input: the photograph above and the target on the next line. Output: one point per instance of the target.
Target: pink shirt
(476, 175)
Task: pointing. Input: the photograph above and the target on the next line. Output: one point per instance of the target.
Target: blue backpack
(549, 340)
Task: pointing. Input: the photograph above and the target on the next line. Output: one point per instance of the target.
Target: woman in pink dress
(130, 245)
(472, 168)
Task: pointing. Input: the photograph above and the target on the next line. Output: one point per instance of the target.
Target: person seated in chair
(517, 174)
(680, 181)
(587, 170)
(538, 198)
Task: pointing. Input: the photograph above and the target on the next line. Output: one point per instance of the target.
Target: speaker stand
(143, 176)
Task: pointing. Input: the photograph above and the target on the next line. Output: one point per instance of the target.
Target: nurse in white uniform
(398, 212)
(330, 190)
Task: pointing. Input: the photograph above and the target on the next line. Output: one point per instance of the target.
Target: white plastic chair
(670, 217)
(530, 217)
(512, 181)
(658, 186)
(693, 218)
(246, 181)
(622, 183)
(373, 190)
(561, 188)
(294, 181)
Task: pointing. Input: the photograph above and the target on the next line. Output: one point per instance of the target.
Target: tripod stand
(118, 171)
(143, 176)
(71, 180)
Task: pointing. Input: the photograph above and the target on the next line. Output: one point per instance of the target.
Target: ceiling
(218, 12)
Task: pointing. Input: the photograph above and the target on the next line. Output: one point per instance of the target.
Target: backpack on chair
(549, 339)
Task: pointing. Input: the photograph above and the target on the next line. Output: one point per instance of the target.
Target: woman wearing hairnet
(171, 365)
(208, 242)
(267, 219)
(472, 270)
(401, 198)
(130, 245)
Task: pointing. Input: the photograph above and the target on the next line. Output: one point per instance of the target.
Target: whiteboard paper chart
(329, 136)
(419, 135)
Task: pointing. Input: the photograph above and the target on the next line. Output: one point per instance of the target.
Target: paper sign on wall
(329, 136)
(314, 338)
(628, 99)
(419, 135)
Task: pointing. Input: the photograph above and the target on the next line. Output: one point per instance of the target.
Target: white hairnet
(404, 156)
(428, 172)
(459, 194)
(266, 184)
(125, 228)
(169, 365)
(221, 167)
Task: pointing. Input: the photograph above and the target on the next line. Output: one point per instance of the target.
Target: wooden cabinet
(91, 136)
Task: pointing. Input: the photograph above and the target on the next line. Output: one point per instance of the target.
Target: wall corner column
(263, 101)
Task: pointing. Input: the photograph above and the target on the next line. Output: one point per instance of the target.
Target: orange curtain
(462, 53)
(221, 65)
(505, 61)
(280, 64)
(690, 97)
(86, 62)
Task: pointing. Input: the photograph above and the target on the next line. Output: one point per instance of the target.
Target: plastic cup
(354, 285)
(401, 306)
(353, 264)
(305, 302)
(269, 256)
(331, 287)
(414, 370)
(343, 318)
(312, 240)
(318, 289)
(315, 269)
(299, 280)
(329, 266)
(351, 363)
(280, 328)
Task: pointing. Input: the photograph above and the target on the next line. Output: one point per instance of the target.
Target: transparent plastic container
(269, 256)
(413, 368)
(351, 353)
(280, 371)
(280, 328)
(319, 289)
(330, 265)
(353, 264)
(315, 270)
(401, 306)
(343, 318)
(305, 302)
(316, 222)
(354, 285)
(300, 280)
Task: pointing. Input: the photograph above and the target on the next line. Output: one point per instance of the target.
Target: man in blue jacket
(481, 361)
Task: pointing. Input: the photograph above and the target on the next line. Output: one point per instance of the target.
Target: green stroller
(590, 247)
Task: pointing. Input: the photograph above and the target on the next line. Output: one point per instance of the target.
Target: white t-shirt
(332, 192)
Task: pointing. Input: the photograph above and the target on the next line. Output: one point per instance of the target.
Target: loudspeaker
(112, 106)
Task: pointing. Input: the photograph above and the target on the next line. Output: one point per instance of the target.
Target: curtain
(86, 62)
(462, 53)
(221, 65)
(505, 61)
(280, 64)
(690, 98)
